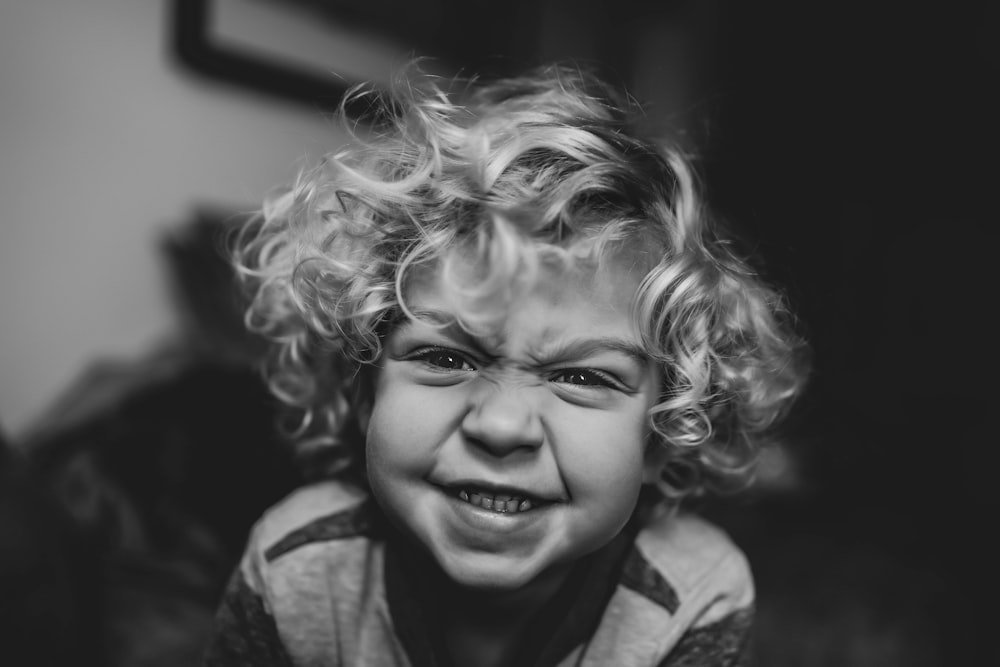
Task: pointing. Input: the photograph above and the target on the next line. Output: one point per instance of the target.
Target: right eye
(443, 359)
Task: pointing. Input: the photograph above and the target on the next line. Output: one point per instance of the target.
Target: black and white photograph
(448, 333)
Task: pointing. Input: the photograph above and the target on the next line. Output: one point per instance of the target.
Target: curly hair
(509, 176)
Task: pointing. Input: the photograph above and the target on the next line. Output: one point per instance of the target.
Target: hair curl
(513, 174)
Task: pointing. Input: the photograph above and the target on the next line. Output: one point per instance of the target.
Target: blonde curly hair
(507, 176)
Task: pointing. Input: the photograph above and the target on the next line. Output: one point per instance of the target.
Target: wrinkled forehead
(483, 296)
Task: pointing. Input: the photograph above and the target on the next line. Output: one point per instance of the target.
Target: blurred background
(852, 145)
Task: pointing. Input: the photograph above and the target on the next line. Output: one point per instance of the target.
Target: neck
(496, 605)
(488, 628)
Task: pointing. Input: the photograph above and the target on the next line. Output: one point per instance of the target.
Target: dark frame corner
(194, 48)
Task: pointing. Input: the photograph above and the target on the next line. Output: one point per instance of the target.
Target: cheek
(604, 478)
(604, 457)
(391, 429)
(407, 423)
(392, 454)
(613, 479)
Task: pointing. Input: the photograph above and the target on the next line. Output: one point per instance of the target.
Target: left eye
(584, 377)
(444, 359)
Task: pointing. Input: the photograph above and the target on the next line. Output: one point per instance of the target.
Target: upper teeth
(500, 502)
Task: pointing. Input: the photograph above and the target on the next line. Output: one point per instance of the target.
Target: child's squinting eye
(584, 377)
(444, 359)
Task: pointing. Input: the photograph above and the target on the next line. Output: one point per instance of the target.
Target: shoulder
(321, 532)
(695, 559)
(320, 513)
(684, 597)
(312, 570)
(703, 581)
(714, 587)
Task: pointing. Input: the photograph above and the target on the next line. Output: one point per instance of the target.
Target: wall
(105, 145)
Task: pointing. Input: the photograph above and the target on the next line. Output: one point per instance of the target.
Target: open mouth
(499, 502)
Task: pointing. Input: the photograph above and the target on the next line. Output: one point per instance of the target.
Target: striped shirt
(324, 582)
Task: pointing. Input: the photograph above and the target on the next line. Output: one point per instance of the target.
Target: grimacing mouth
(502, 500)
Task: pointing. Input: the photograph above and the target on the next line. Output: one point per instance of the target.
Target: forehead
(560, 302)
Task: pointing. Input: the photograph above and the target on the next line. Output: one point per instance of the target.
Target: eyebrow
(440, 320)
(548, 353)
(438, 317)
(583, 347)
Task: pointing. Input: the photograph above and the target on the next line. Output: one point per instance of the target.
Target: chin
(488, 574)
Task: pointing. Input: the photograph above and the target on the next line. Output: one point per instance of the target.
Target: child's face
(547, 418)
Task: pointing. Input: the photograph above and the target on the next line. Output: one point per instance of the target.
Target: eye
(586, 377)
(443, 359)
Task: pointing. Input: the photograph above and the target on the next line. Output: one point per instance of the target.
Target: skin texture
(552, 402)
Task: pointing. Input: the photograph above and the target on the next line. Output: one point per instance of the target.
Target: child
(516, 342)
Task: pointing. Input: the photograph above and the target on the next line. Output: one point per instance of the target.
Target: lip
(452, 487)
(489, 525)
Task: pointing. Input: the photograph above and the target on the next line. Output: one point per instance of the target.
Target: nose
(502, 420)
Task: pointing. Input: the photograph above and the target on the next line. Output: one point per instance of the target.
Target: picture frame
(314, 51)
(297, 50)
